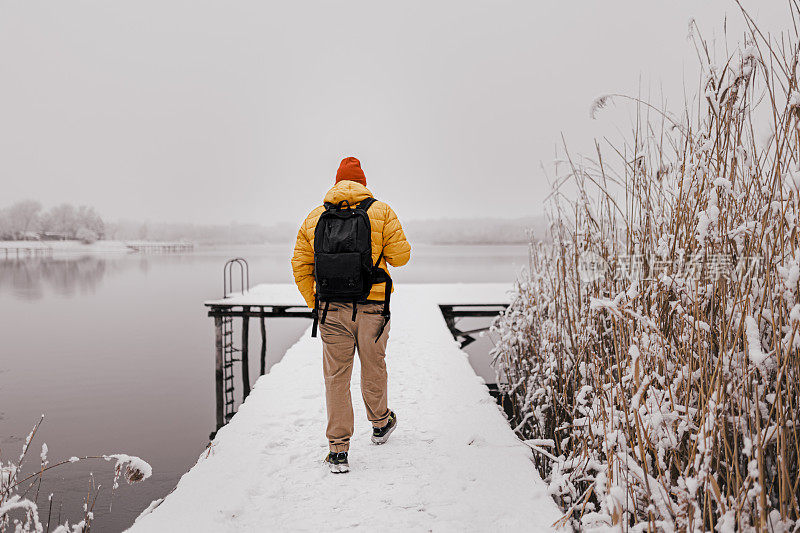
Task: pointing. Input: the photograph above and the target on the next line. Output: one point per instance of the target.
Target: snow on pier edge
(452, 465)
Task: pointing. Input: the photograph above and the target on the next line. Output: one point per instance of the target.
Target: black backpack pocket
(339, 276)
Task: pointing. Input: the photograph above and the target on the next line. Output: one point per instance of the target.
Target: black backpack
(343, 268)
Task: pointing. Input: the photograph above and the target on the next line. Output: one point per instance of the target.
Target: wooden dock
(23, 249)
(147, 247)
(453, 464)
(28, 249)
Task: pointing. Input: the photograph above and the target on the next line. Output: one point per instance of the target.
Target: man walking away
(340, 266)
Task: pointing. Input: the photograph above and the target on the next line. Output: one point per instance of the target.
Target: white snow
(149, 509)
(453, 464)
(133, 468)
(757, 356)
(794, 99)
(707, 217)
(724, 183)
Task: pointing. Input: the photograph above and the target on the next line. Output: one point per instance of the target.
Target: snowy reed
(21, 513)
(653, 352)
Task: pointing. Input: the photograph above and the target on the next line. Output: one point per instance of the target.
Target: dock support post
(245, 353)
(263, 344)
(219, 376)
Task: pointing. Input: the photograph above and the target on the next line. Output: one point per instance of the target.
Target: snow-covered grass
(453, 464)
(654, 348)
(19, 492)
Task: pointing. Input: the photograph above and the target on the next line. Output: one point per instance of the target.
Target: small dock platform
(453, 464)
(153, 247)
(21, 249)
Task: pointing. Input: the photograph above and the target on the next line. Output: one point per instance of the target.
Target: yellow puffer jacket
(387, 236)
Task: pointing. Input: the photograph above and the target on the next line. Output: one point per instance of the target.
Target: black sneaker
(381, 435)
(338, 462)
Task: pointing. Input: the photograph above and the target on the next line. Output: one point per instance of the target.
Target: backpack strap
(379, 275)
(387, 315)
(315, 316)
(366, 203)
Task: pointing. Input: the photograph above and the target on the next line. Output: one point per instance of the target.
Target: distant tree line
(126, 230)
(26, 220)
(440, 231)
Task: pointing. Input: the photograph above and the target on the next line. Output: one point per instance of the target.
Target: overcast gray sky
(217, 111)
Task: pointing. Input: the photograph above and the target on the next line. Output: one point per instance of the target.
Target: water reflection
(118, 352)
(33, 278)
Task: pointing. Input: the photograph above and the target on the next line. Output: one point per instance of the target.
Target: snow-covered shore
(453, 464)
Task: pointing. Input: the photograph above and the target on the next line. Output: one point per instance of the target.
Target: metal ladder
(229, 352)
(229, 348)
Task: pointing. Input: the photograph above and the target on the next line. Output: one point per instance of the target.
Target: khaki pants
(341, 336)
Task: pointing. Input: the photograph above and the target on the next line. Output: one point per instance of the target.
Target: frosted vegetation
(652, 352)
(21, 507)
(26, 220)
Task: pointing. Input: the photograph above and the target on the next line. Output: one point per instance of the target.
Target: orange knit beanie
(350, 169)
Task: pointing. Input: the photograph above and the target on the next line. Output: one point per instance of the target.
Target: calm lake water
(117, 352)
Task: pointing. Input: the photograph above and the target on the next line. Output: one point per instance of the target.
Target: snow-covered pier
(18, 249)
(160, 247)
(453, 464)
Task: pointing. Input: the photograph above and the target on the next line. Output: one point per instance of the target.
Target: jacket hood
(347, 190)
